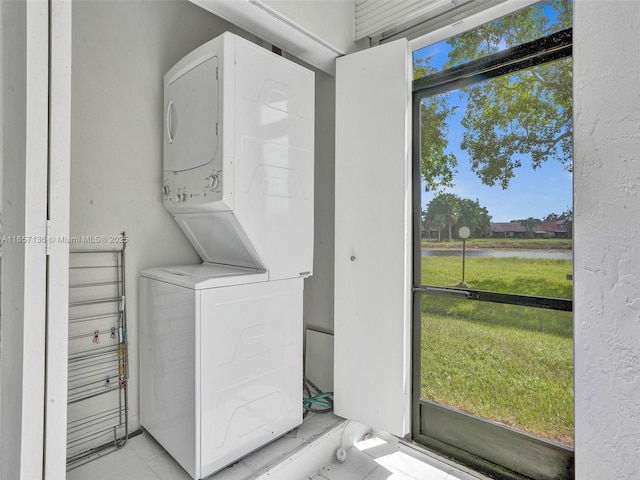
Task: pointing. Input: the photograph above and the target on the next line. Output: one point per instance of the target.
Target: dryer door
(191, 117)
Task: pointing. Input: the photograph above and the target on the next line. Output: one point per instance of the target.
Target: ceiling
(319, 31)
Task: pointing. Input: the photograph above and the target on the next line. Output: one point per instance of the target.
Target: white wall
(121, 51)
(318, 289)
(607, 242)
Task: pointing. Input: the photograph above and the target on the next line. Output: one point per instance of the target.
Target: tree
(529, 225)
(433, 219)
(437, 166)
(449, 210)
(445, 208)
(521, 117)
(567, 218)
(524, 114)
(474, 216)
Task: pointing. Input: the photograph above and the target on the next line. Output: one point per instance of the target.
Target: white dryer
(221, 342)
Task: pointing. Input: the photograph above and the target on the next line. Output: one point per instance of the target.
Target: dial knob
(175, 198)
(213, 181)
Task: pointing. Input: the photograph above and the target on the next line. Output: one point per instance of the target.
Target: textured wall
(607, 245)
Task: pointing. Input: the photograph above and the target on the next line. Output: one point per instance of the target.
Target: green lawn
(507, 243)
(509, 275)
(510, 364)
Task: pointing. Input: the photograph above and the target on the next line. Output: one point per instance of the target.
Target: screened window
(493, 328)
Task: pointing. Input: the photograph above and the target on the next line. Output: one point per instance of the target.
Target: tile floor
(376, 459)
(308, 452)
(142, 458)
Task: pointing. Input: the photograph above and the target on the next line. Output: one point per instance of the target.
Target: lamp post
(464, 233)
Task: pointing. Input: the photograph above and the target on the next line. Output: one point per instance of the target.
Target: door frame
(35, 110)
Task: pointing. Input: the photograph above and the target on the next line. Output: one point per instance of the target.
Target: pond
(500, 253)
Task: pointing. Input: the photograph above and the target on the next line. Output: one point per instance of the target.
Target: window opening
(493, 342)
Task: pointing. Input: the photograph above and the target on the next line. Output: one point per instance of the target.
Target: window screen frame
(454, 434)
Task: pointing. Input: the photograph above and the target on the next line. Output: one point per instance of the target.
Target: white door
(191, 135)
(372, 315)
(35, 165)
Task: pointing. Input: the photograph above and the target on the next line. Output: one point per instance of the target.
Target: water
(543, 254)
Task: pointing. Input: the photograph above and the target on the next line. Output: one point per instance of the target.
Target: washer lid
(206, 271)
(219, 239)
(205, 275)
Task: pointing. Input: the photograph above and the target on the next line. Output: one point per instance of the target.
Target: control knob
(212, 182)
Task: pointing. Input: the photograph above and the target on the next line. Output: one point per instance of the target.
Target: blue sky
(531, 193)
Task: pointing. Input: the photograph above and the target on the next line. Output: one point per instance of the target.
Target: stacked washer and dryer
(221, 342)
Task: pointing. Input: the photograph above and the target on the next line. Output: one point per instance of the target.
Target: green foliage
(567, 216)
(451, 211)
(443, 210)
(529, 225)
(474, 216)
(438, 167)
(525, 116)
(521, 27)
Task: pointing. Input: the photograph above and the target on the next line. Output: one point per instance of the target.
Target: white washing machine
(223, 371)
(221, 342)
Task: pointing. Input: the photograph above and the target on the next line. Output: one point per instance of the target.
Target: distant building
(552, 230)
(557, 229)
(507, 230)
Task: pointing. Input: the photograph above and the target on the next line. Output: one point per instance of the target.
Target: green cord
(322, 402)
(317, 400)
